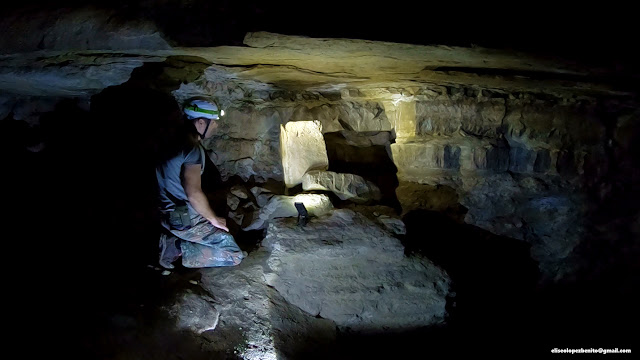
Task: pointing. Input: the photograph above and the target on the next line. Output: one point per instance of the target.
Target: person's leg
(196, 255)
(208, 246)
(169, 250)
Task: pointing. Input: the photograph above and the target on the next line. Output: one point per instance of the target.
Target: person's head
(204, 115)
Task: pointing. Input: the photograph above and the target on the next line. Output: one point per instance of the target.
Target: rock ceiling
(85, 51)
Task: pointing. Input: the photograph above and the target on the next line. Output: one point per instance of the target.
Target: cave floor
(139, 329)
(497, 309)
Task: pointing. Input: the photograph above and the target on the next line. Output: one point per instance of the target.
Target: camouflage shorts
(205, 245)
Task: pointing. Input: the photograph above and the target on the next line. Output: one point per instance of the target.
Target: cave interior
(476, 172)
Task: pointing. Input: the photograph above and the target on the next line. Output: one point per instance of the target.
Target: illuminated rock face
(255, 320)
(507, 158)
(346, 269)
(303, 149)
(284, 206)
(499, 135)
(345, 186)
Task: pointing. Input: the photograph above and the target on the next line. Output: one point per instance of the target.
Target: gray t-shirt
(170, 176)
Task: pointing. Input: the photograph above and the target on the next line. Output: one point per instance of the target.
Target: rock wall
(526, 166)
(499, 134)
(522, 165)
(530, 157)
(249, 141)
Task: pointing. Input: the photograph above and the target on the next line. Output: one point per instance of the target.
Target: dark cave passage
(499, 302)
(372, 162)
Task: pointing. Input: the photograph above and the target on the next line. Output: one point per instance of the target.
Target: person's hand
(220, 223)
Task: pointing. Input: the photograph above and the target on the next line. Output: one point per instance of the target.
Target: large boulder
(343, 267)
(255, 321)
(345, 186)
(303, 149)
(195, 313)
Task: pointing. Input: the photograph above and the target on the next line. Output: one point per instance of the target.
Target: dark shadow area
(372, 162)
(493, 276)
(89, 222)
(97, 184)
(498, 303)
(134, 324)
(438, 198)
(85, 223)
(618, 80)
(594, 35)
(610, 182)
(217, 191)
(88, 219)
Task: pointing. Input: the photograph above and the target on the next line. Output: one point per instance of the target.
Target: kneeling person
(191, 228)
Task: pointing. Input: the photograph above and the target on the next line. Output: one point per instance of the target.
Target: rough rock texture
(261, 195)
(195, 313)
(255, 319)
(250, 145)
(346, 269)
(343, 268)
(521, 165)
(517, 135)
(72, 76)
(239, 191)
(432, 197)
(345, 186)
(395, 226)
(303, 149)
(284, 206)
(347, 115)
(547, 215)
(227, 313)
(232, 201)
(366, 138)
(546, 212)
(78, 29)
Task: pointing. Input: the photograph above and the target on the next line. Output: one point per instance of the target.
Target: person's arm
(198, 199)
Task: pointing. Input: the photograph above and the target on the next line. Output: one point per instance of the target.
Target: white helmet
(196, 109)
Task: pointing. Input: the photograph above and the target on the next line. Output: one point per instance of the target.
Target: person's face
(201, 124)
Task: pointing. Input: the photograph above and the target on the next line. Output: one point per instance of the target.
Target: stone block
(346, 269)
(345, 186)
(303, 149)
(283, 206)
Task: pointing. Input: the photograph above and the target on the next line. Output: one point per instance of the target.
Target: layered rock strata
(344, 268)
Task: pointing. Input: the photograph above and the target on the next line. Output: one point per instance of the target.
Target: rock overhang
(274, 62)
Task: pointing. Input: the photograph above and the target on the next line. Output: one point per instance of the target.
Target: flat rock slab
(345, 186)
(284, 206)
(255, 320)
(303, 149)
(344, 268)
